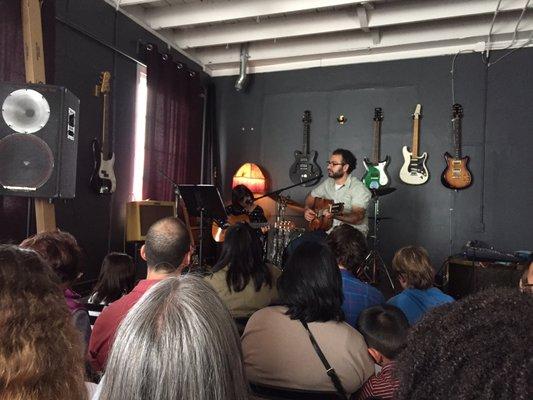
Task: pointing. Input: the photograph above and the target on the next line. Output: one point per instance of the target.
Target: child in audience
(385, 329)
(117, 278)
(415, 274)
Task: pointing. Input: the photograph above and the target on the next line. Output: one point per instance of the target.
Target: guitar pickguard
(414, 170)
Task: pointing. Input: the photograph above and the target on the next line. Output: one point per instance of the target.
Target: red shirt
(107, 323)
(382, 385)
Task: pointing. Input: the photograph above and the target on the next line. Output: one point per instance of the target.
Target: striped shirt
(382, 385)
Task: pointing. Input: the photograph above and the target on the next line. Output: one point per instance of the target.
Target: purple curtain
(12, 209)
(173, 126)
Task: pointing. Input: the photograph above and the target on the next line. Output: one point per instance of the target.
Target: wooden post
(45, 216)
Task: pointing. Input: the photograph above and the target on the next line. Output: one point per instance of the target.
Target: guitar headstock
(457, 111)
(307, 117)
(418, 112)
(378, 114)
(103, 86)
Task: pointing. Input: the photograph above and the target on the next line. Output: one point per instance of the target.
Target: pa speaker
(38, 140)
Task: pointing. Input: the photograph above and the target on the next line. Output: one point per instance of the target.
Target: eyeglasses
(334, 163)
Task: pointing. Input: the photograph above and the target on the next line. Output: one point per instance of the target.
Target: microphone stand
(275, 192)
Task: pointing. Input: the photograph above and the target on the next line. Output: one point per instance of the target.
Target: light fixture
(251, 176)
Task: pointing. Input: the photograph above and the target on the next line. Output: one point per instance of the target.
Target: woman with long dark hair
(116, 278)
(276, 344)
(240, 277)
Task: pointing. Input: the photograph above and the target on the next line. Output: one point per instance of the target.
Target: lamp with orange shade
(251, 176)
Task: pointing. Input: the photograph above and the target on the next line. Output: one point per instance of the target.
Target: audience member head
(117, 277)
(61, 251)
(526, 282)
(40, 349)
(167, 246)
(413, 267)
(348, 246)
(385, 329)
(241, 195)
(475, 348)
(311, 284)
(242, 254)
(177, 342)
(347, 158)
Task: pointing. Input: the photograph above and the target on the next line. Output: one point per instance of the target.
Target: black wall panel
(497, 134)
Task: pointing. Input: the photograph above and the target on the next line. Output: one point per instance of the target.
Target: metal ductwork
(243, 76)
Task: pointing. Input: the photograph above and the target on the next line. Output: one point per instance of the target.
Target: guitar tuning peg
(341, 119)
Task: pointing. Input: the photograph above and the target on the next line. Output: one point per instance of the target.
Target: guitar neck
(416, 129)
(456, 124)
(307, 130)
(105, 127)
(377, 142)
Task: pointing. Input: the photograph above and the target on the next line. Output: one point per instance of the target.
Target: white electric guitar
(414, 170)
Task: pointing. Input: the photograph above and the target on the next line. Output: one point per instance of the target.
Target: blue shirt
(357, 296)
(415, 302)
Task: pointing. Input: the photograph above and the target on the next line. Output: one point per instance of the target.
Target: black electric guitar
(103, 179)
(305, 166)
(456, 176)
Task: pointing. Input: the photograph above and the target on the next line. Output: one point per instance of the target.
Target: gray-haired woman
(178, 342)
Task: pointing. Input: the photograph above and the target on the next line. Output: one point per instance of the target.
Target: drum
(279, 238)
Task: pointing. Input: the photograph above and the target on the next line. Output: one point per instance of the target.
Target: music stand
(203, 201)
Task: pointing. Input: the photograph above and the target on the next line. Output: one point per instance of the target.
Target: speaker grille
(26, 162)
(25, 111)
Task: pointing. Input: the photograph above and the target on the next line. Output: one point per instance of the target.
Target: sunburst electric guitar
(376, 173)
(103, 179)
(456, 176)
(414, 170)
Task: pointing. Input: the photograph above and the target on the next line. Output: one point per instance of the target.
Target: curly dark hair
(476, 348)
(41, 352)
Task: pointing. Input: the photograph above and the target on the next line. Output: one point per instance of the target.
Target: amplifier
(140, 215)
(467, 277)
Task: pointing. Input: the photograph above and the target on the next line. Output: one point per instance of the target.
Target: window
(141, 99)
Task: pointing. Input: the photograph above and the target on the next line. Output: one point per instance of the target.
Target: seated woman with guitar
(240, 277)
(242, 209)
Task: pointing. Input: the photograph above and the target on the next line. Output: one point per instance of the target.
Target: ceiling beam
(441, 31)
(336, 21)
(181, 15)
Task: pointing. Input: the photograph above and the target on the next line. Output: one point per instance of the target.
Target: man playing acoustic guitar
(341, 187)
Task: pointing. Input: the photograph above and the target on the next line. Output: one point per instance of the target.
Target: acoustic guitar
(456, 175)
(305, 166)
(103, 179)
(218, 229)
(414, 170)
(321, 221)
(376, 174)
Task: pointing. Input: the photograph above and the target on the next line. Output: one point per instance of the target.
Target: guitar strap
(329, 369)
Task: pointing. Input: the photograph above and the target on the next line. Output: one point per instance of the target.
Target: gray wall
(497, 135)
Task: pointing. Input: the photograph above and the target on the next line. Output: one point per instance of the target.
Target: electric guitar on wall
(103, 179)
(305, 166)
(456, 175)
(414, 170)
(376, 174)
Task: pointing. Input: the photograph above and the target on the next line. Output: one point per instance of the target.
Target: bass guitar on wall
(456, 175)
(376, 174)
(414, 170)
(305, 166)
(103, 179)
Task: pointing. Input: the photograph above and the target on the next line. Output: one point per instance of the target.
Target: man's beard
(335, 175)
